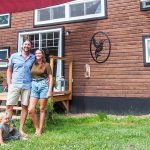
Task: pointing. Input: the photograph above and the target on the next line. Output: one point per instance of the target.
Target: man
(19, 82)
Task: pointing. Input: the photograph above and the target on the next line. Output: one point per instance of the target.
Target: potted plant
(1, 81)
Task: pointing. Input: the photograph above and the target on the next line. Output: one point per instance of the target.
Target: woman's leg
(42, 114)
(32, 113)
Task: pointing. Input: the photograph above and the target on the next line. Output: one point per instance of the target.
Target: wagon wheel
(100, 47)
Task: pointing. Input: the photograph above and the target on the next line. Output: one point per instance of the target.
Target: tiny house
(111, 72)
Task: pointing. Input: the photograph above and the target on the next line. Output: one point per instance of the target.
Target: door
(50, 41)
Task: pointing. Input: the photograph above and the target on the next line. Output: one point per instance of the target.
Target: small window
(71, 11)
(77, 10)
(145, 4)
(50, 14)
(44, 14)
(146, 48)
(4, 20)
(93, 7)
(4, 55)
(58, 12)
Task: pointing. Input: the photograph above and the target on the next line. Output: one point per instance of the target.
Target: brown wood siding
(123, 74)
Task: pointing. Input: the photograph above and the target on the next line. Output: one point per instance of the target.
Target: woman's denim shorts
(39, 88)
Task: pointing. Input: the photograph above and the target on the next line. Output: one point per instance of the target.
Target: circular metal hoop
(99, 47)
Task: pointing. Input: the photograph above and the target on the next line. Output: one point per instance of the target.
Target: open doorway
(49, 40)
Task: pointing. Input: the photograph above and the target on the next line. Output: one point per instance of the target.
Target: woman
(41, 89)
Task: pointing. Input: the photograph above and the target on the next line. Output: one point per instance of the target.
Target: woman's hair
(43, 58)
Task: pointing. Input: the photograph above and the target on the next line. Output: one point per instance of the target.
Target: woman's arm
(50, 83)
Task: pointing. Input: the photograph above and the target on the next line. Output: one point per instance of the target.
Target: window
(145, 4)
(4, 20)
(4, 55)
(48, 41)
(58, 12)
(76, 10)
(44, 14)
(92, 7)
(71, 11)
(146, 48)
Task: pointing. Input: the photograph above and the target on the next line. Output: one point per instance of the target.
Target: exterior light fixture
(67, 33)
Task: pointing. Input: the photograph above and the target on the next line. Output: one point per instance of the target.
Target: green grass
(98, 132)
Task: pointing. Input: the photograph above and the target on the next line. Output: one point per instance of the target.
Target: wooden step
(14, 108)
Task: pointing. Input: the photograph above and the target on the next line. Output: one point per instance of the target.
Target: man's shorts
(14, 93)
(39, 88)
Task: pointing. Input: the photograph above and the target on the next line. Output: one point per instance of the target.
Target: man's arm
(9, 75)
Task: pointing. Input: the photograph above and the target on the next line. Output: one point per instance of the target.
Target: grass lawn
(95, 132)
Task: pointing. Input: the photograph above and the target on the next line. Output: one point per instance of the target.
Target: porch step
(14, 108)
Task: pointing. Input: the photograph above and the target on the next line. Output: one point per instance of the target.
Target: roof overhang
(12, 6)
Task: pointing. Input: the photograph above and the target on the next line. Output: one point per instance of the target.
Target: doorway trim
(59, 71)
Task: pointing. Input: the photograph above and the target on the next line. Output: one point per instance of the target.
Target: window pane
(36, 44)
(55, 42)
(93, 7)
(32, 44)
(3, 19)
(146, 4)
(3, 64)
(148, 49)
(43, 43)
(43, 36)
(36, 37)
(50, 35)
(56, 34)
(44, 14)
(58, 12)
(49, 43)
(35, 40)
(3, 54)
(77, 10)
(31, 37)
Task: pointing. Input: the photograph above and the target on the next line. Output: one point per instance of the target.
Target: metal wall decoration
(100, 47)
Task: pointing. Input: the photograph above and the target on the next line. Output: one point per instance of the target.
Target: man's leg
(25, 94)
(12, 99)
(23, 116)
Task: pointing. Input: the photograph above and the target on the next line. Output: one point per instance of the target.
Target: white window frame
(7, 24)
(143, 5)
(60, 52)
(67, 18)
(146, 48)
(4, 64)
